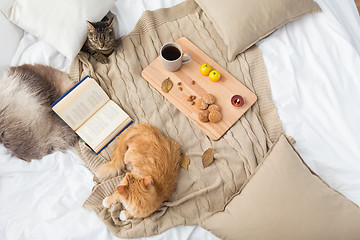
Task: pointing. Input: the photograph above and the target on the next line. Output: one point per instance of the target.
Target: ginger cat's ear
(125, 181)
(121, 189)
(148, 181)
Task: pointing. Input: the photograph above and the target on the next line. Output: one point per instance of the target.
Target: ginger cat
(153, 161)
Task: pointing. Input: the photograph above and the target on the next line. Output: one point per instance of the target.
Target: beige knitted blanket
(200, 192)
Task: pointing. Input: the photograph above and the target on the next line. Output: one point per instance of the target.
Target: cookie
(204, 115)
(215, 116)
(214, 107)
(209, 98)
(201, 104)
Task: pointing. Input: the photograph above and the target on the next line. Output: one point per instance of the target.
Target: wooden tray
(223, 89)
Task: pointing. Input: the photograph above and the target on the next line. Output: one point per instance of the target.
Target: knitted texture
(200, 192)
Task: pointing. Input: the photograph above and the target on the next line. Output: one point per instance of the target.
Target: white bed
(314, 69)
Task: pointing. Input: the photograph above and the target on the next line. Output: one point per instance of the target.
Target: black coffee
(171, 53)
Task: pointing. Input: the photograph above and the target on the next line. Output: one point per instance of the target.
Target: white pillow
(60, 23)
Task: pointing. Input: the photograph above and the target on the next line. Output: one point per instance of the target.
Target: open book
(88, 110)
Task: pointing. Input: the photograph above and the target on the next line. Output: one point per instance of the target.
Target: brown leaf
(207, 157)
(166, 85)
(184, 162)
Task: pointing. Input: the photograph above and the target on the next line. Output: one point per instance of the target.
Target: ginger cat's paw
(106, 171)
(125, 215)
(105, 203)
(122, 216)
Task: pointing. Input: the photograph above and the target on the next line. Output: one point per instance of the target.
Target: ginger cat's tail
(117, 164)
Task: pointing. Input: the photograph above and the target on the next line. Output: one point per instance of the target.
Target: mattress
(312, 65)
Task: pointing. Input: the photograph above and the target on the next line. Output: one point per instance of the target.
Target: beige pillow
(285, 200)
(241, 23)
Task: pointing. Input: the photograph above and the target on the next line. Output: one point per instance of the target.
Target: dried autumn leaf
(184, 162)
(166, 85)
(207, 157)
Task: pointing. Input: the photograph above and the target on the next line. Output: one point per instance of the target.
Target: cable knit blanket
(200, 192)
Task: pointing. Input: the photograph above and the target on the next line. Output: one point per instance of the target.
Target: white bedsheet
(314, 70)
(9, 41)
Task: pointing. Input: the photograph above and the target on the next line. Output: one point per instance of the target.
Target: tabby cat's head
(101, 34)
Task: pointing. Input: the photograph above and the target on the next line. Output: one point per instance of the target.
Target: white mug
(172, 56)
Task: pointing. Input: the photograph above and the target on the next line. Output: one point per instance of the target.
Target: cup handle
(187, 60)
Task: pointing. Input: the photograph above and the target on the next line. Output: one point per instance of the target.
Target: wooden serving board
(223, 89)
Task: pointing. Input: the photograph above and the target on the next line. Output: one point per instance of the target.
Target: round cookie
(213, 107)
(204, 115)
(201, 104)
(215, 116)
(209, 98)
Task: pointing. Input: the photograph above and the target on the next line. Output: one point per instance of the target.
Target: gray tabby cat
(101, 39)
(28, 126)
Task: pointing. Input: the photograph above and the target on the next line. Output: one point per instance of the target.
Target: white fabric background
(9, 42)
(314, 70)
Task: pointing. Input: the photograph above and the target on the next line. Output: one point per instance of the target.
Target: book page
(103, 125)
(81, 103)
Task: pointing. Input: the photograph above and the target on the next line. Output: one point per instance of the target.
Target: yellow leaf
(207, 157)
(184, 162)
(166, 85)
